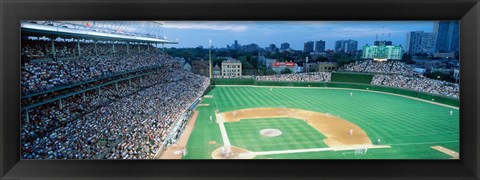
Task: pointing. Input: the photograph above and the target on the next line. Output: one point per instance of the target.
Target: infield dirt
(337, 130)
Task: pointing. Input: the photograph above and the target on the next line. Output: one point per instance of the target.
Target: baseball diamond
(321, 123)
(111, 90)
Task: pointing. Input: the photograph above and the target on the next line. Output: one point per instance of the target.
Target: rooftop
(231, 61)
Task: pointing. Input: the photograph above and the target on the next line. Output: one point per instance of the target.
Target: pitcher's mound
(270, 132)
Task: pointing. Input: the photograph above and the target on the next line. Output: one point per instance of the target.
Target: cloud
(216, 26)
(364, 32)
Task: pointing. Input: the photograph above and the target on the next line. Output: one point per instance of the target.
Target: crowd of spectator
(64, 49)
(401, 75)
(131, 119)
(234, 77)
(422, 84)
(389, 67)
(303, 77)
(46, 75)
(412, 81)
(35, 49)
(128, 121)
(42, 49)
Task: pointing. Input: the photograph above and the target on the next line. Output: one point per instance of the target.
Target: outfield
(409, 127)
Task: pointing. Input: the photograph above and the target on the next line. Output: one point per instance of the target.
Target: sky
(264, 33)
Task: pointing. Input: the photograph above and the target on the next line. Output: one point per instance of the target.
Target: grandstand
(395, 114)
(107, 90)
(100, 90)
(385, 74)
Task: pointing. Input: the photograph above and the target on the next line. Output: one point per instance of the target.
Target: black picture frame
(12, 11)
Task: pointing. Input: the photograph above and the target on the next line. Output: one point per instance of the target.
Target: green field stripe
(296, 134)
(395, 119)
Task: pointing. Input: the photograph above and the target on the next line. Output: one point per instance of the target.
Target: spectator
(129, 123)
(422, 84)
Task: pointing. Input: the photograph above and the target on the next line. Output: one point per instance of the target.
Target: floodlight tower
(210, 58)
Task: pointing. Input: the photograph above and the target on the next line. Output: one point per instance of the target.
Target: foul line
(226, 141)
(313, 150)
(215, 99)
(455, 155)
(404, 144)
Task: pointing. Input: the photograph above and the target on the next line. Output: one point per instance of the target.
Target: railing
(81, 91)
(88, 81)
(177, 129)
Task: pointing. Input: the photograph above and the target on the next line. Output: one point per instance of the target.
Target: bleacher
(96, 97)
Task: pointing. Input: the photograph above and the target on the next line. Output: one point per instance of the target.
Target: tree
(262, 70)
(247, 68)
(321, 59)
(343, 58)
(252, 60)
(286, 71)
(217, 61)
(440, 76)
(407, 58)
(187, 54)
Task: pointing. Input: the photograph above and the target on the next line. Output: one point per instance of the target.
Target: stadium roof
(138, 31)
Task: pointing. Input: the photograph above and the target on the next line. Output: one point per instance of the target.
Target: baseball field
(260, 122)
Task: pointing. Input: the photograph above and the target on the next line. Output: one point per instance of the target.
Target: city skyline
(296, 33)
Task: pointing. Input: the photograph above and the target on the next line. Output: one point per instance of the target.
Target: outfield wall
(232, 81)
(421, 95)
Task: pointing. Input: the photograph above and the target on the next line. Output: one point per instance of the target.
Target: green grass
(396, 152)
(409, 126)
(296, 134)
(204, 131)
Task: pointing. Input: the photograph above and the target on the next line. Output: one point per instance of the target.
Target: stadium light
(26, 25)
(210, 58)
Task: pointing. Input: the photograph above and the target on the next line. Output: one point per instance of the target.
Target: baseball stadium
(342, 119)
(117, 95)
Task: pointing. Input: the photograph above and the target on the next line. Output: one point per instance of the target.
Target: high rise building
(251, 47)
(236, 45)
(308, 46)
(346, 45)
(419, 42)
(284, 46)
(319, 46)
(446, 36)
(272, 47)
